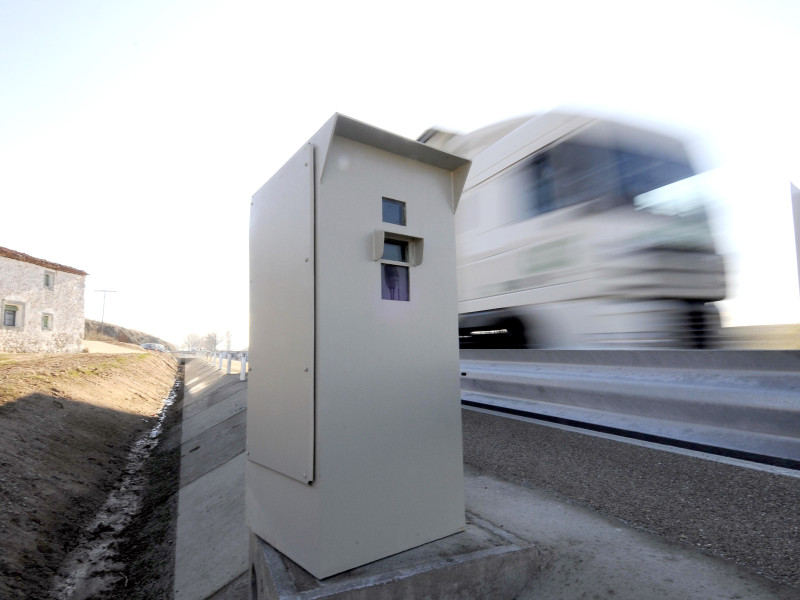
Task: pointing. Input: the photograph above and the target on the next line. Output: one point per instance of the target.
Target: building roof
(20, 256)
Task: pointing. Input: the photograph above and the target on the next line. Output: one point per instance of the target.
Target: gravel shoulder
(743, 515)
(67, 424)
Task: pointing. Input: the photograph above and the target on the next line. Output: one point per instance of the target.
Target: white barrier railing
(243, 372)
(216, 358)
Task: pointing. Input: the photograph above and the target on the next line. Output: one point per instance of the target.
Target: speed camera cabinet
(354, 426)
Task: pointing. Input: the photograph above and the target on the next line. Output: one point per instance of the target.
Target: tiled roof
(8, 253)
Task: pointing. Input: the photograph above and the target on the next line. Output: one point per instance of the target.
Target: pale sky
(133, 134)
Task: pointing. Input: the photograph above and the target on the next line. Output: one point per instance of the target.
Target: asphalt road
(744, 515)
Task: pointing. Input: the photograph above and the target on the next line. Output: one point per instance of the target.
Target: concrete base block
(483, 561)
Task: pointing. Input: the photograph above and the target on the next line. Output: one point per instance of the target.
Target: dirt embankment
(95, 330)
(67, 423)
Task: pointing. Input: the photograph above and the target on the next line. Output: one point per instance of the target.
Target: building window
(394, 211)
(13, 314)
(49, 279)
(47, 321)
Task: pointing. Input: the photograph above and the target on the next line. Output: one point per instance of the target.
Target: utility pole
(796, 214)
(103, 318)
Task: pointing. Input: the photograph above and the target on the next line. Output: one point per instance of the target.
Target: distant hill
(120, 334)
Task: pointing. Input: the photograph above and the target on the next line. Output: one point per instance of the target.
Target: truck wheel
(515, 336)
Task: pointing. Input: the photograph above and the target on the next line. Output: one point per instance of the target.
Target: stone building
(41, 304)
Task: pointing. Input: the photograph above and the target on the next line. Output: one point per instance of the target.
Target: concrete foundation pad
(238, 589)
(483, 561)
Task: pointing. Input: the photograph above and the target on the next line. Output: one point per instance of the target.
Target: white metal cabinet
(354, 428)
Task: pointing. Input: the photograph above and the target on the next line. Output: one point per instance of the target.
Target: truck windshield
(585, 172)
(572, 173)
(642, 174)
(679, 199)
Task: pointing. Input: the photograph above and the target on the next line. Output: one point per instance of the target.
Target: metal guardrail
(740, 403)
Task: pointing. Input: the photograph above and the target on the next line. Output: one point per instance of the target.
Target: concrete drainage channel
(211, 547)
(174, 527)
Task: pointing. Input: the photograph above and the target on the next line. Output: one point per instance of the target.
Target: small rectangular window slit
(394, 211)
(395, 250)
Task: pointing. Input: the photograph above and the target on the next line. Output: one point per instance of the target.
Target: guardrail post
(230, 360)
(243, 359)
(219, 366)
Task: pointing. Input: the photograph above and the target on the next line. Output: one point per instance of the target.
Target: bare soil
(108, 332)
(67, 425)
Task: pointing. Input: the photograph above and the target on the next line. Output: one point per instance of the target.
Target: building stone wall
(23, 283)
